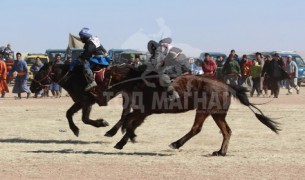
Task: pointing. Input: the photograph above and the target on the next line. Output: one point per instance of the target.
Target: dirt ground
(36, 143)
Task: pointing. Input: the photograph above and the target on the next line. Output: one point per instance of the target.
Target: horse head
(42, 78)
(119, 75)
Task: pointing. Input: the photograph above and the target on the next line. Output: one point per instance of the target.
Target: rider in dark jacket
(92, 49)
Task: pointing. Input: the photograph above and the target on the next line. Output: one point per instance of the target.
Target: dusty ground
(36, 142)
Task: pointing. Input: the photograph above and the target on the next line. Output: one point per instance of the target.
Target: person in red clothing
(245, 65)
(208, 65)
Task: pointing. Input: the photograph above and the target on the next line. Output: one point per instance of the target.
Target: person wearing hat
(277, 73)
(208, 66)
(93, 51)
(292, 69)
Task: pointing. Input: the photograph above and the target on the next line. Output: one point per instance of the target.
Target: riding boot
(172, 94)
(90, 80)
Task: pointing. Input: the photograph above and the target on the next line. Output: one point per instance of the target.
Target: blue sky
(208, 25)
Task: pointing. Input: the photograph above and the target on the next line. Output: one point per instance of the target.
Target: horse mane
(129, 71)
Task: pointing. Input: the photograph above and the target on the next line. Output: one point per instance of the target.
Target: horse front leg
(116, 127)
(133, 120)
(87, 107)
(69, 114)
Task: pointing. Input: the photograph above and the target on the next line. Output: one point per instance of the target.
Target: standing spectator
(231, 71)
(208, 66)
(255, 72)
(136, 61)
(34, 69)
(3, 76)
(21, 74)
(245, 65)
(259, 58)
(219, 63)
(9, 65)
(235, 56)
(266, 77)
(8, 52)
(54, 87)
(277, 73)
(292, 70)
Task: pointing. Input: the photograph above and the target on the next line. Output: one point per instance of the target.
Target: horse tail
(240, 93)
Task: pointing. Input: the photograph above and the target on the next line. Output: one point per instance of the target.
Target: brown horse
(207, 95)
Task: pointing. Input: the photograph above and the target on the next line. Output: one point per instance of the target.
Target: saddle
(97, 92)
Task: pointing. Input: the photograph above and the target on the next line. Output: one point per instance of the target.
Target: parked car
(30, 59)
(73, 53)
(214, 55)
(52, 53)
(125, 57)
(120, 56)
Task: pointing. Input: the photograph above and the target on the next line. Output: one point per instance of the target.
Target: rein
(46, 77)
(49, 77)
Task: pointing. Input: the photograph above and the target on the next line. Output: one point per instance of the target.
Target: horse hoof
(109, 134)
(118, 147)
(102, 123)
(173, 146)
(133, 140)
(76, 132)
(218, 153)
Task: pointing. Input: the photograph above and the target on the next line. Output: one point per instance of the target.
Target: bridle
(48, 77)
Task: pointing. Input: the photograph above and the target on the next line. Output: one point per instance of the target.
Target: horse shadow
(71, 151)
(37, 141)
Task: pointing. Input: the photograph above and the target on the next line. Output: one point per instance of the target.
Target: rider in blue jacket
(94, 52)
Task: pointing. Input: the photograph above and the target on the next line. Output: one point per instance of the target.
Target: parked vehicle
(52, 53)
(73, 53)
(125, 57)
(119, 58)
(214, 55)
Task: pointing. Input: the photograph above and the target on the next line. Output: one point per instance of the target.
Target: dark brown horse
(74, 83)
(208, 96)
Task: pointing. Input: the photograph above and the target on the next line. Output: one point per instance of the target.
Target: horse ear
(152, 46)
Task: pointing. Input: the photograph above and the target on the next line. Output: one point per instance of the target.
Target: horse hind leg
(199, 119)
(226, 133)
(69, 114)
